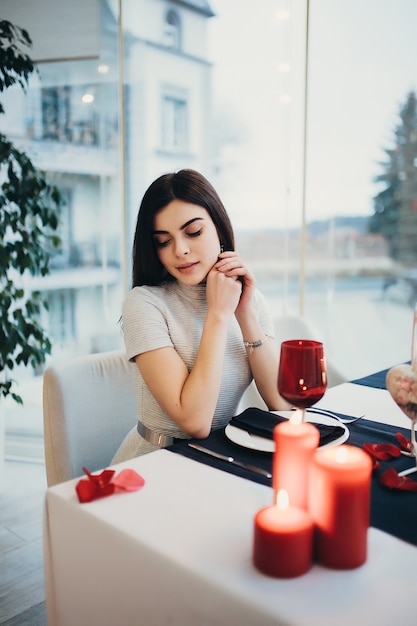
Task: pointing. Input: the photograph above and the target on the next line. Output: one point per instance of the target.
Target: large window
(359, 129)
(174, 122)
(302, 113)
(61, 318)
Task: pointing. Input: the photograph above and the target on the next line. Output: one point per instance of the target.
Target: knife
(230, 459)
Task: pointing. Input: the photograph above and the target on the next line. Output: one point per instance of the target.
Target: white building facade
(103, 128)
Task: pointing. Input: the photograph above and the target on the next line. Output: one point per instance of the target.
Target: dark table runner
(394, 512)
(377, 380)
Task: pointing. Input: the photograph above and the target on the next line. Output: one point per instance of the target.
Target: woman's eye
(161, 244)
(195, 233)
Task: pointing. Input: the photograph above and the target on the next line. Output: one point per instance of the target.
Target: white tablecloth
(179, 552)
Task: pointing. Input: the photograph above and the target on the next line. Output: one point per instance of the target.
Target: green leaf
(29, 218)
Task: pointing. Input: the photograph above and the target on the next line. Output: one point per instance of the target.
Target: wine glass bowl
(302, 375)
(401, 383)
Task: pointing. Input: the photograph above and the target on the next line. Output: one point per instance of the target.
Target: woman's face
(186, 240)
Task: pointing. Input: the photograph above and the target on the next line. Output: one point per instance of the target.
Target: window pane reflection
(358, 86)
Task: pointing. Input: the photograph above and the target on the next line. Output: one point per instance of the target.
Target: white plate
(255, 442)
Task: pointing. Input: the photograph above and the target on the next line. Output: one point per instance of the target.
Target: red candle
(283, 541)
(339, 503)
(295, 445)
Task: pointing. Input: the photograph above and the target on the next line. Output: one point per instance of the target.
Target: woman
(196, 329)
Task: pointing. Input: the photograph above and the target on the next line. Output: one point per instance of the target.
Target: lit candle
(283, 540)
(295, 445)
(339, 503)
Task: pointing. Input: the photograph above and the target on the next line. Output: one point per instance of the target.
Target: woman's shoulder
(144, 294)
(144, 291)
(157, 296)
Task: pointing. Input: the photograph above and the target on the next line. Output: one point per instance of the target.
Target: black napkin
(262, 423)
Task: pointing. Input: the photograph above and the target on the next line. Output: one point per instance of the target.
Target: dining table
(179, 551)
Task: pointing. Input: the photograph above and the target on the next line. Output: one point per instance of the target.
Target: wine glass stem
(413, 439)
(414, 341)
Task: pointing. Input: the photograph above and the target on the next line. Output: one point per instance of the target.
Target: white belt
(152, 436)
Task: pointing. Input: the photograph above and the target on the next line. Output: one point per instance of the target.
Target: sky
(362, 64)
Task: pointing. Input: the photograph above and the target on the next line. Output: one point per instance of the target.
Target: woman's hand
(223, 292)
(231, 265)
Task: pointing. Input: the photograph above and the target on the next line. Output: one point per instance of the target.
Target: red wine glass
(302, 376)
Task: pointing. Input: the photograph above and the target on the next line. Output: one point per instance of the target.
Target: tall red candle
(339, 503)
(295, 445)
(283, 540)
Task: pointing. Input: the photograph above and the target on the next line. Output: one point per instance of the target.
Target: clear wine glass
(402, 384)
(302, 375)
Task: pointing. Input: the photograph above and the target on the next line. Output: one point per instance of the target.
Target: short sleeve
(265, 318)
(144, 322)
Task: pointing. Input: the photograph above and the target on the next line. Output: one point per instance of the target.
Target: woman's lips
(187, 267)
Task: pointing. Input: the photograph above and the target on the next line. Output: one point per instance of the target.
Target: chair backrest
(88, 407)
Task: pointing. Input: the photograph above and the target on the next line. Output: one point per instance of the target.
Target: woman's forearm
(188, 397)
(200, 392)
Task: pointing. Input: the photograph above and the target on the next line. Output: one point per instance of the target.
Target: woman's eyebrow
(165, 232)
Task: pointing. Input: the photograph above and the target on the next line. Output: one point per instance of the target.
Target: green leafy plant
(29, 219)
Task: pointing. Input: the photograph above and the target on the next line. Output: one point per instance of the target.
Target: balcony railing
(86, 254)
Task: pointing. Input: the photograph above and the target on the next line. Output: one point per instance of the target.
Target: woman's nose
(182, 248)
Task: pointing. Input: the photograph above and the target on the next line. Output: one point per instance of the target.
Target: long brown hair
(189, 186)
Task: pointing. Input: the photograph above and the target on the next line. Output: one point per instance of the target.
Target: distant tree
(395, 206)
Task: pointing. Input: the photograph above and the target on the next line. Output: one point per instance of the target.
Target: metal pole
(303, 204)
(122, 148)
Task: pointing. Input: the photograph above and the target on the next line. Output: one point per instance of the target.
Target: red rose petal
(129, 480)
(382, 451)
(85, 490)
(376, 465)
(392, 480)
(404, 442)
(88, 490)
(104, 484)
(103, 478)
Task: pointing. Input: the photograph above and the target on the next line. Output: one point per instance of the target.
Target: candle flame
(341, 454)
(283, 501)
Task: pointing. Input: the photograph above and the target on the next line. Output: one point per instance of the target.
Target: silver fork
(334, 415)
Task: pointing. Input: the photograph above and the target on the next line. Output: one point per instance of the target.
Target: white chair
(88, 407)
(291, 327)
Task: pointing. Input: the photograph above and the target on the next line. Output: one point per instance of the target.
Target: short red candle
(295, 445)
(339, 503)
(283, 541)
